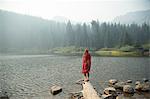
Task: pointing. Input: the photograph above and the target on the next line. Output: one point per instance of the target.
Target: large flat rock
(55, 89)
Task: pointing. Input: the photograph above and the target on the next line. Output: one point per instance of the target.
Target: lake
(31, 76)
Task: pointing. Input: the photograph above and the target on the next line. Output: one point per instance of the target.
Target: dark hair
(86, 50)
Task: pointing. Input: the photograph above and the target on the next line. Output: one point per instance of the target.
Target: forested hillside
(138, 17)
(21, 32)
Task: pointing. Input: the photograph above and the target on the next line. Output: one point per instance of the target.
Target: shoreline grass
(112, 52)
(127, 51)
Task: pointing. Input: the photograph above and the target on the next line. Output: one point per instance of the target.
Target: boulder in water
(138, 87)
(145, 80)
(146, 86)
(143, 87)
(55, 89)
(110, 90)
(113, 81)
(4, 97)
(80, 81)
(128, 89)
(78, 95)
(119, 85)
(109, 96)
(137, 82)
(129, 81)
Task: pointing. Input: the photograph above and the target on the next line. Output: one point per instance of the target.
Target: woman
(86, 64)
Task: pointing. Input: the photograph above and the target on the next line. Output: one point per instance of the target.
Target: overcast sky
(76, 10)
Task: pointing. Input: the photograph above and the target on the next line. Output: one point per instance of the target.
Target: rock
(113, 81)
(129, 81)
(109, 93)
(55, 89)
(4, 97)
(145, 80)
(128, 89)
(143, 87)
(4, 94)
(119, 85)
(138, 86)
(110, 90)
(137, 82)
(80, 81)
(78, 95)
(146, 86)
(110, 96)
(82, 98)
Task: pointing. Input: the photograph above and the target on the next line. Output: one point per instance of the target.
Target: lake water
(31, 76)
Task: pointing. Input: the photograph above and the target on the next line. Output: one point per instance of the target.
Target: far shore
(99, 53)
(124, 51)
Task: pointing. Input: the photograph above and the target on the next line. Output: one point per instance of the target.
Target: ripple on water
(30, 76)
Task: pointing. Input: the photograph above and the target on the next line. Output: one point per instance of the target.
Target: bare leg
(87, 75)
(84, 76)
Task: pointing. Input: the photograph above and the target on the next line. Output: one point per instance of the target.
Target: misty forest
(74, 49)
(22, 32)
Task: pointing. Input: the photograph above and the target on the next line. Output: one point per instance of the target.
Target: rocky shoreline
(115, 89)
(118, 89)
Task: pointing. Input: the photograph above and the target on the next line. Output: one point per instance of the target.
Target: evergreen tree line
(107, 35)
(19, 32)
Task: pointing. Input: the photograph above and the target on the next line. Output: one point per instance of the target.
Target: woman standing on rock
(86, 64)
